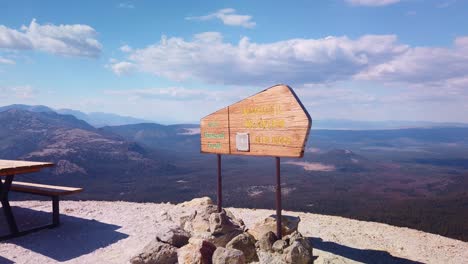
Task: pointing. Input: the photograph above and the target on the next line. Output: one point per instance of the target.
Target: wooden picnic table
(8, 170)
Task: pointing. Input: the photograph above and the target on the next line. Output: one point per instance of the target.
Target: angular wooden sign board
(270, 123)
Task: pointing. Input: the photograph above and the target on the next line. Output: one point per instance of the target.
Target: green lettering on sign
(213, 135)
(214, 145)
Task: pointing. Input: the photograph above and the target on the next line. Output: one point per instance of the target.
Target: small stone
(202, 201)
(221, 240)
(296, 236)
(175, 236)
(220, 223)
(156, 252)
(289, 224)
(279, 245)
(296, 253)
(245, 243)
(235, 220)
(199, 220)
(228, 256)
(197, 251)
(266, 242)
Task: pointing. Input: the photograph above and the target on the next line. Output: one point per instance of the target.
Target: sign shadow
(359, 255)
(73, 238)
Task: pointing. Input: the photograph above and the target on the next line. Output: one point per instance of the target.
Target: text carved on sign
(270, 123)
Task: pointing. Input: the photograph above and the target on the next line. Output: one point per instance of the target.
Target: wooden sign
(271, 123)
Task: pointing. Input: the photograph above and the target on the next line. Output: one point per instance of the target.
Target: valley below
(413, 177)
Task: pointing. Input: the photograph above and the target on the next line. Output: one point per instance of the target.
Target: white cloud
(178, 94)
(6, 61)
(126, 48)
(425, 66)
(122, 67)
(207, 57)
(382, 58)
(68, 40)
(17, 92)
(126, 5)
(445, 4)
(372, 2)
(229, 17)
(13, 39)
(320, 95)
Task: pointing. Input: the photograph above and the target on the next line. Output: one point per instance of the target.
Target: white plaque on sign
(242, 141)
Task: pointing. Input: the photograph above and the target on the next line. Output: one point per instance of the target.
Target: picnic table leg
(4, 189)
(55, 211)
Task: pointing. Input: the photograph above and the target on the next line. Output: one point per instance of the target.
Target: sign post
(220, 185)
(279, 234)
(270, 123)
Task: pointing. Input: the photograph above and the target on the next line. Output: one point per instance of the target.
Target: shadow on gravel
(360, 255)
(73, 238)
(5, 261)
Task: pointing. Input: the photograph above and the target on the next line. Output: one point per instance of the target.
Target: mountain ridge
(102, 119)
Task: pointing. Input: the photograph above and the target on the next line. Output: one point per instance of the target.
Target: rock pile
(205, 235)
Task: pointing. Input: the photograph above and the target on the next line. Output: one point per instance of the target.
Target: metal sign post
(220, 186)
(278, 199)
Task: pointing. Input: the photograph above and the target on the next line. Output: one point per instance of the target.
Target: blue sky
(177, 61)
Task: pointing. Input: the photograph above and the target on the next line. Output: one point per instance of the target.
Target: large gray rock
(218, 228)
(296, 236)
(221, 240)
(187, 211)
(223, 228)
(266, 242)
(296, 253)
(289, 224)
(156, 252)
(245, 243)
(279, 246)
(197, 251)
(220, 223)
(228, 256)
(175, 236)
(199, 220)
(293, 248)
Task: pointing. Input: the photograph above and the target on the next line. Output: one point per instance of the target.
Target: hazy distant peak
(96, 119)
(31, 108)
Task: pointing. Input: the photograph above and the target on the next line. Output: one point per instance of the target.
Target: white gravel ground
(112, 232)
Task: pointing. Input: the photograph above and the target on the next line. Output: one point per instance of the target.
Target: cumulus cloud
(69, 40)
(122, 67)
(425, 66)
(229, 17)
(209, 58)
(372, 2)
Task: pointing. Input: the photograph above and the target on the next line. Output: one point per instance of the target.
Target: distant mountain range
(412, 177)
(84, 156)
(96, 119)
(99, 119)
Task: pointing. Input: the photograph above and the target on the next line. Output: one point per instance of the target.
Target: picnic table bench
(10, 168)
